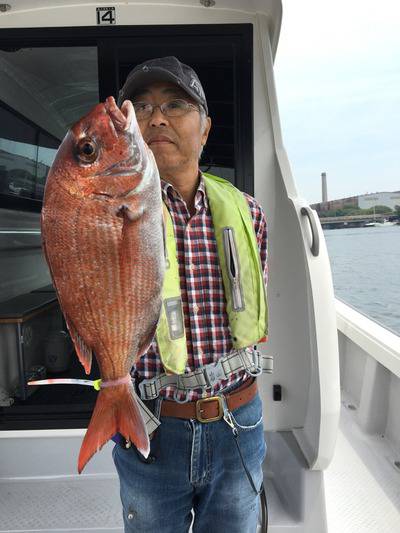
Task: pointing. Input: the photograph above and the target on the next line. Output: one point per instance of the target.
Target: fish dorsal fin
(83, 351)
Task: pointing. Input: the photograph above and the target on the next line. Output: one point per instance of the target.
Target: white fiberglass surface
(45, 505)
(362, 482)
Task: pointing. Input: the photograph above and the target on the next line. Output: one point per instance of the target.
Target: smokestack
(324, 187)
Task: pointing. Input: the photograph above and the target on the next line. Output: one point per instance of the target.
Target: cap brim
(142, 79)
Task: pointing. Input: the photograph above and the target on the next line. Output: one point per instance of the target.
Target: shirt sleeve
(260, 228)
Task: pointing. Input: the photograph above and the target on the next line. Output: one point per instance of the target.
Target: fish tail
(116, 411)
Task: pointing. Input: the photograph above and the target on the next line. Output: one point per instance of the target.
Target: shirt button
(195, 308)
(192, 267)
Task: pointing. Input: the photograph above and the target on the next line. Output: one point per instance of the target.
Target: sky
(337, 73)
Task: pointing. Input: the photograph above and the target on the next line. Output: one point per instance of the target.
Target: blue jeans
(194, 466)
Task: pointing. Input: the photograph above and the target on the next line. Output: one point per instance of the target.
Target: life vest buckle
(200, 409)
(214, 373)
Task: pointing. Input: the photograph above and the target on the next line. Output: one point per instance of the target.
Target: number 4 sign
(105, 15)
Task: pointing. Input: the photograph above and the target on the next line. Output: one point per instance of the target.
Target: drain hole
(351, 407)
(397, 464)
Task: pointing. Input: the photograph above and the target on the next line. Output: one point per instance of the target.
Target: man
(206, 455)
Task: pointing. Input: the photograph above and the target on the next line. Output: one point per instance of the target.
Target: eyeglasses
(173, 108)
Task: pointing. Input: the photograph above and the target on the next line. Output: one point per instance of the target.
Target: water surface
(365, 266)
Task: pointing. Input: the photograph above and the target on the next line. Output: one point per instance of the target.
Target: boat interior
(330, 407)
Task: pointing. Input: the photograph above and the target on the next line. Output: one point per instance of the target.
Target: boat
(331, 405)
(386, 222)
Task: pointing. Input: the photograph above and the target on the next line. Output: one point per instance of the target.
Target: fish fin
(83, 351)
(128, 214)
(116, 411)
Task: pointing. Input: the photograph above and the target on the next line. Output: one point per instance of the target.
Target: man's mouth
(160, 139)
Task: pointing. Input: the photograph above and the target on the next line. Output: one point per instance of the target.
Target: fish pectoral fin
(124, 211)
(83, 352)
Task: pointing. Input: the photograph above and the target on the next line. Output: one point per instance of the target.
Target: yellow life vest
(242, 275)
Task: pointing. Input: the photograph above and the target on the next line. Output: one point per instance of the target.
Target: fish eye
(86, 150)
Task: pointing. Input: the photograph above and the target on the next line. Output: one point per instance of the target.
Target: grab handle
(307, 211)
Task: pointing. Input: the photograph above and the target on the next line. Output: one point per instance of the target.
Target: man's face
(175, 141)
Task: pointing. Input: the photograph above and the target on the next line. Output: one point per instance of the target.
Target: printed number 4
(106, 17)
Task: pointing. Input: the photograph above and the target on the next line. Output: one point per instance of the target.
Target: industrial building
(391, 199)
(362, 201)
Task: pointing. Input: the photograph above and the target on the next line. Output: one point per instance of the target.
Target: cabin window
(49, 78)
(26, 154)
(43, 91)
(41, 96)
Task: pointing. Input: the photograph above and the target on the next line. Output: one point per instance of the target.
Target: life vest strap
(248, 359)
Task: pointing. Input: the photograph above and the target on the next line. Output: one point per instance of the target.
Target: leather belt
(211, 409)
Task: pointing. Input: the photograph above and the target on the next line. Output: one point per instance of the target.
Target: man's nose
(158, 118)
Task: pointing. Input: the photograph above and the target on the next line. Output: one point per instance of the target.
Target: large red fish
(103, 240)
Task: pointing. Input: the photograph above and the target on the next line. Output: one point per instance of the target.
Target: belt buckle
(199, 403)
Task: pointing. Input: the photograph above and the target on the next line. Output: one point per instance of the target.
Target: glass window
(26, 154)
(18, 155)
(41, 96)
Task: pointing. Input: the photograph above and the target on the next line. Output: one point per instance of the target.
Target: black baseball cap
(163, 69)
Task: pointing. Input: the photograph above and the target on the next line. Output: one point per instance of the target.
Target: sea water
(365, 266)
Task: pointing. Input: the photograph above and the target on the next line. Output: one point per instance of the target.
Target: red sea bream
(103, 241)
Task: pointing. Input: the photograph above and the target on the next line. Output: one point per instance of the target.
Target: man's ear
(206, 131)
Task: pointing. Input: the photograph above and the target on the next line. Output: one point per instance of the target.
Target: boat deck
(362, 487)
(66, 504)
(362, 483)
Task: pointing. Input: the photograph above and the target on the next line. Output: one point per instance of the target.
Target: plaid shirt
(204, 307)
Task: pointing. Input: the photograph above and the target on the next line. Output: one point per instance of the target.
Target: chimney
(324, 187)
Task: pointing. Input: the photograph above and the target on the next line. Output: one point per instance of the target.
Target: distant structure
(363, 201)
(324, 188)
(379, 198)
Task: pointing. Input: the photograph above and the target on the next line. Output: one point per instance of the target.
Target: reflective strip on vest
(170, 333)
(242, 276)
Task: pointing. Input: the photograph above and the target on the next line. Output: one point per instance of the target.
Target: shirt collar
(200, 199)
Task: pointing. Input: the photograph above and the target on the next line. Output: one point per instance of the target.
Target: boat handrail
(377, 341)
